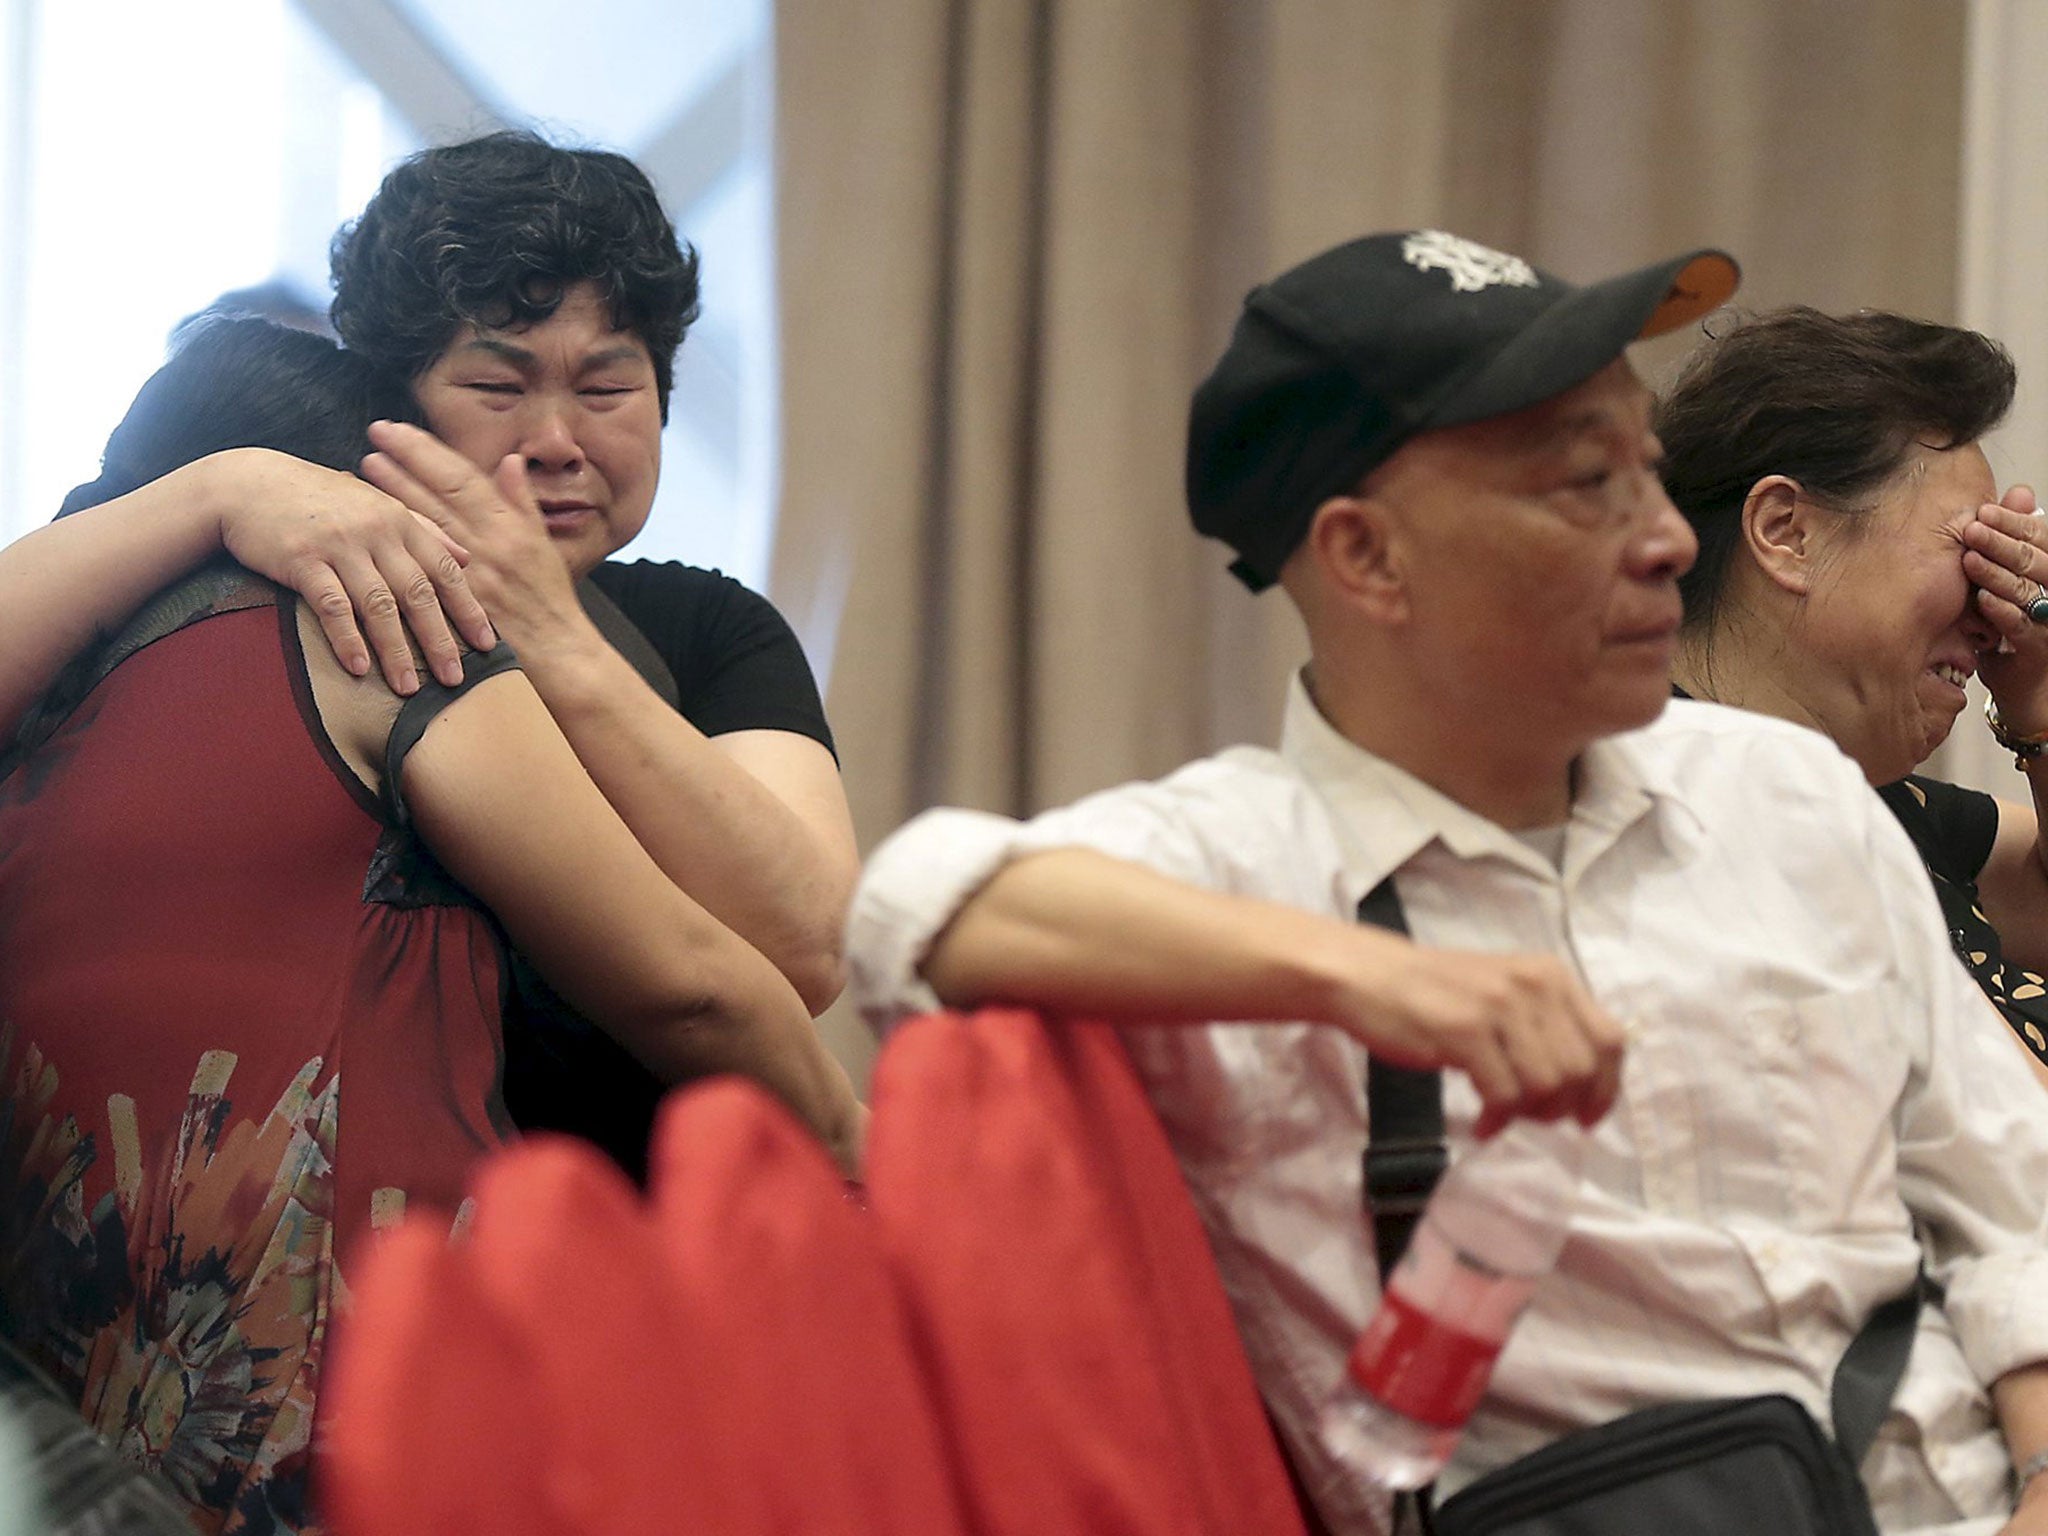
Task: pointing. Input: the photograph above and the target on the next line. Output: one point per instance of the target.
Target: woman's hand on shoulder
(369, 568)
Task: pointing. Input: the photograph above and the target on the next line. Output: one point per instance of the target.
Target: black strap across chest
(1405, 1153)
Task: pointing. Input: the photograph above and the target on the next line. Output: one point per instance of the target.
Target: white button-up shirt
(1815, 1093)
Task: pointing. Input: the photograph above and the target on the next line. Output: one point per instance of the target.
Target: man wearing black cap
(1442, 456)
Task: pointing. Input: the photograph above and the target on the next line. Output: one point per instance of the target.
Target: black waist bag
(1755, 1466)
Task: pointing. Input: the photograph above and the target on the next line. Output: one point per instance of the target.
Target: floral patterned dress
(207, 928)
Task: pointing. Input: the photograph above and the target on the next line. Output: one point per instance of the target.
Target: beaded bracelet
(2024, 749)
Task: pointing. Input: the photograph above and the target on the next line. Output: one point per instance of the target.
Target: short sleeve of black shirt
(736, 661)
(1952, 828)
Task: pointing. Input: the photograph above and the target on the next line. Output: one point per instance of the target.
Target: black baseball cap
(1339, 361)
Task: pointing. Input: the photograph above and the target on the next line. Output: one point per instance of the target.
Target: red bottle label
(1417, 1366)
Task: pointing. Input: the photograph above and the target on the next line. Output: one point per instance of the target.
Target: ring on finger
(2037, 606)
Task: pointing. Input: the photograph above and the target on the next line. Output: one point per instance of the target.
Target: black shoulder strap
(419, 711)
(625, 638)
(1871, 1367)
(1404, 1151)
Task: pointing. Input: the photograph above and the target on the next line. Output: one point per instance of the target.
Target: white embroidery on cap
(1471, 266)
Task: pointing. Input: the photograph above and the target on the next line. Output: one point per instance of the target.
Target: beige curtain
(1014, 234)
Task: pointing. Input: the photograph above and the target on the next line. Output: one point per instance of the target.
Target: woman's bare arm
(499, 796)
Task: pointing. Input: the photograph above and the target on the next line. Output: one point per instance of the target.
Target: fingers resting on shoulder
(371, 571)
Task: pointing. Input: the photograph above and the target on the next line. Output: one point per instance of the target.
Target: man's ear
(1355, 545)
(1781, 531)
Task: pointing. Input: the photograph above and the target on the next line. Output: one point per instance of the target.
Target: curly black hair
(1835, 402)
(493, 232)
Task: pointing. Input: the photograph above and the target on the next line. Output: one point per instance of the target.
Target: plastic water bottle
(1491, 1231)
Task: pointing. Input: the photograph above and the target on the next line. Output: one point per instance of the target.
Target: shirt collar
(1385, 815)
